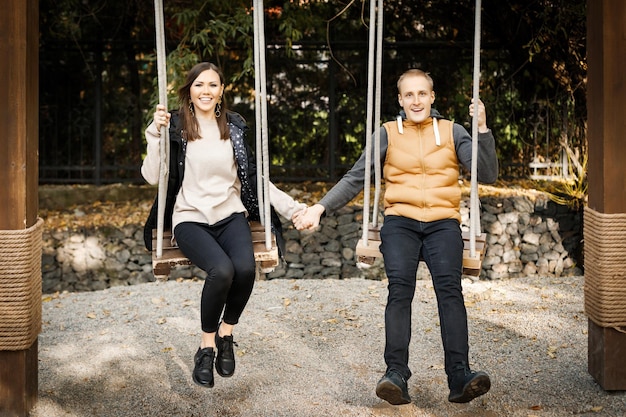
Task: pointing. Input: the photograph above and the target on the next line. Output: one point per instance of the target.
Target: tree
(100, 54)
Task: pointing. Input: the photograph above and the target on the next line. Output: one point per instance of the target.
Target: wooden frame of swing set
(165, 256)
(367, 248)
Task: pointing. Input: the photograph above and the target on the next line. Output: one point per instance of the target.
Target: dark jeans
(224, 251)
(441, 246)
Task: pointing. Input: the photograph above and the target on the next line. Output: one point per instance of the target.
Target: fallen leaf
(91, 315)
(552, 351)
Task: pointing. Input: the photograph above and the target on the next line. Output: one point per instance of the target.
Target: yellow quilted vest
(421, 177)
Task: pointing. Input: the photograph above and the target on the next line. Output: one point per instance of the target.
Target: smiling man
(421, 155)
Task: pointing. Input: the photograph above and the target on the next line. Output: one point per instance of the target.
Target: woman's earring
(193, 113)
(218, 108)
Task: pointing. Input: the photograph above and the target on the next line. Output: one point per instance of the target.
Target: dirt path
(314, 348)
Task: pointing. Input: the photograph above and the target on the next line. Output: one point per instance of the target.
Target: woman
(211, 197)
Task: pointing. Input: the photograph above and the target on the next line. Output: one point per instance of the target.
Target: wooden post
(19, 173)
(606, 103)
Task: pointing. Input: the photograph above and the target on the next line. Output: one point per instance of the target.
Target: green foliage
(533, 54)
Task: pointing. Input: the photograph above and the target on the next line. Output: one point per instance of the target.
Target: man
(421, 154)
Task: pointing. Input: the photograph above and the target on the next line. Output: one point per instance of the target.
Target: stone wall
(526, 236)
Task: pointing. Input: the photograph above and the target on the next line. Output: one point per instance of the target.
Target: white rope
(263, 165)
(367, 179)
(257, 106)
(164, 148)
(474, 202)
(378, 95)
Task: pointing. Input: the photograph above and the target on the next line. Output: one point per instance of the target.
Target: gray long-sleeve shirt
(353, 181)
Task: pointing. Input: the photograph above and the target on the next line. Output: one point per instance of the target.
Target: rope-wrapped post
(605, 250)
(20, 286)
(605, 272)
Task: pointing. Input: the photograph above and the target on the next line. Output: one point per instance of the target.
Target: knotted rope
(20, 286)
(605, 268)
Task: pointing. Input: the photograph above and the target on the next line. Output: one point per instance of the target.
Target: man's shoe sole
(391, 393)
(476, 387)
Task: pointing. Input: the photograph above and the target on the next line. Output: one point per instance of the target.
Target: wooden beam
(19, 173)
(606, 101)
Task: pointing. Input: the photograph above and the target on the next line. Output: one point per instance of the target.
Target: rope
(373, 100)
(605, 268)
(474, 203)
(378, 95)
(258, 117)
(260, 81)
(164, 147)
(367, 179)
(20, 286)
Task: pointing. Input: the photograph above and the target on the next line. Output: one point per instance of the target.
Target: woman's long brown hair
(189, 122)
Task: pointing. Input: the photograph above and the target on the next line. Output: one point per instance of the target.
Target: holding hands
(308, 218)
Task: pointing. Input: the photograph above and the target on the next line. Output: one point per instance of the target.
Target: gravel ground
(314, 348)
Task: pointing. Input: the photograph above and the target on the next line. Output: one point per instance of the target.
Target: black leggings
(224, 251)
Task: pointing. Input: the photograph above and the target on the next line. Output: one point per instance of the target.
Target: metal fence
(95, 101)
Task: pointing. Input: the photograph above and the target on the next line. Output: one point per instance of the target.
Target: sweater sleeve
(487, 164)
(283, 203)
(352, 182)
(150, 166)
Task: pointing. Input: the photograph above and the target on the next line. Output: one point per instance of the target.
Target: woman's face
(205, 92)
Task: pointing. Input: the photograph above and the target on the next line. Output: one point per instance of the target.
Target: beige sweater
(211, 189)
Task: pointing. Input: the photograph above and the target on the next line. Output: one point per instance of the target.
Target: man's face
(416, 97)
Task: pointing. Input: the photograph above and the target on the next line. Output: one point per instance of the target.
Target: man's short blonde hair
(414, 72)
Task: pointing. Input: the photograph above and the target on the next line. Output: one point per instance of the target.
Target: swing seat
(172, 256)
(473, 264)
(367, 253)
(266, 259)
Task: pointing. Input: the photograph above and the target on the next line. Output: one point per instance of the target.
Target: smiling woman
(210, 201)
(206, 94)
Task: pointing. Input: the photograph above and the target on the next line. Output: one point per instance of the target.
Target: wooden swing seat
(172, 256)
(366, 254)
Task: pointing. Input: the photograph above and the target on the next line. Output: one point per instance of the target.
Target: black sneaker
(393, 389)
(225, 361)
(203, 369)
(468, 386)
